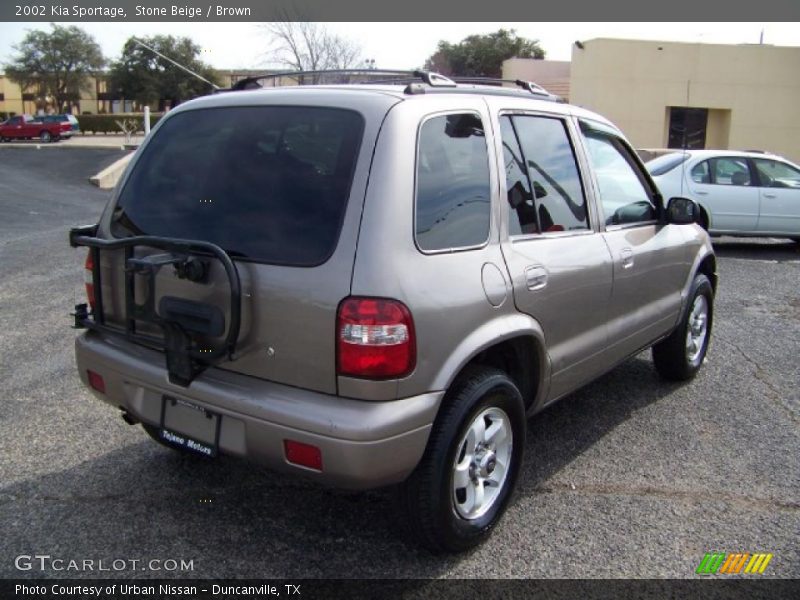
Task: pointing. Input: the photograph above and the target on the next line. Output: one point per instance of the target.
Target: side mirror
(682, 211)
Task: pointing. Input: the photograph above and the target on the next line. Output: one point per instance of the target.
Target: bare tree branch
(308, 46)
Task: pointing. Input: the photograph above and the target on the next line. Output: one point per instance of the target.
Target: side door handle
(626, 258)
(770, 196)
(701, 193)
(536, 277)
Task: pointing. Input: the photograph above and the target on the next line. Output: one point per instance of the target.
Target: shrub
(108, 123)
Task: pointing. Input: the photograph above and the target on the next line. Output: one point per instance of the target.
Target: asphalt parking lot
(629, 477)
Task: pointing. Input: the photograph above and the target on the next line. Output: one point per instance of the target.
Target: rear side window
(267, 183)
(730, 171)
(453, 191)
(665, 163)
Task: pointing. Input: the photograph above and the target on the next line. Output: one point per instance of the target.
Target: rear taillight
(375, 338)
(88, 278)
(96, 381)
(302, 454)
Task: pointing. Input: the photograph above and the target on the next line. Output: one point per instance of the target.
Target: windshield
(268, 183)
(667, 162)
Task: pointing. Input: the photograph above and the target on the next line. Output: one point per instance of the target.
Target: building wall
(752, 91)
(11, 96)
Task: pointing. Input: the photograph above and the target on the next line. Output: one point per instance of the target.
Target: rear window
(266, 183)
(665, 163)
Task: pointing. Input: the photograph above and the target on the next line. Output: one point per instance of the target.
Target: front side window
(730, 171)
(523, 218)
(777, 174)
(453, 200)
(622, 193)
(555, 189)
(267, 183)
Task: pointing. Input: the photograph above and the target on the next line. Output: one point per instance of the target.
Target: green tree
(55, 64)
(482, 55)
(145, 77)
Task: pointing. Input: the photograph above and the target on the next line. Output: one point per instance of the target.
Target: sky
(407, 45)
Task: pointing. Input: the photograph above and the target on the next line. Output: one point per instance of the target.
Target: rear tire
(45, 137)
(463, 484)
(680, 356)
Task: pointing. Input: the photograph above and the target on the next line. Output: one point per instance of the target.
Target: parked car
(27, 127)
(739, 193)
(66, 118)
(377, 284)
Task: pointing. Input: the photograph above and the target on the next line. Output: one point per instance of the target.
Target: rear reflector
(96, 381)
(88, 278)
(302, 454)
(375, 339)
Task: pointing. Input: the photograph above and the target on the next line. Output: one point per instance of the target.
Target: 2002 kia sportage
(378, 283)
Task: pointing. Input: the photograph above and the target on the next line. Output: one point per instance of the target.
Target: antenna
(180, 66)
(685, 133)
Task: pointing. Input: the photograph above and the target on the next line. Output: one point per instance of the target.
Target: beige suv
(378, 283)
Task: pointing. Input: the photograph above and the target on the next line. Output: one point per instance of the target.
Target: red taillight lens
(96, 381)
(375, 338)
(302, 454)
(88, 278)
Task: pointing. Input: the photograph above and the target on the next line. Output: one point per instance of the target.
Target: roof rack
(529, 86)
(416, 81)
(428, 77)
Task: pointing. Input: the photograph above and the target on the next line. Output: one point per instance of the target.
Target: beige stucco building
(738, 96)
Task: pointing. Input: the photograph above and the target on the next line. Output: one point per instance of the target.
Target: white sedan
(739, 193)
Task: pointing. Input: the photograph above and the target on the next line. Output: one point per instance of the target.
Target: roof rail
(529, 86)
(428, 77)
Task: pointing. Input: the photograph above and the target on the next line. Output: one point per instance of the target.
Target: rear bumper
(364, 444)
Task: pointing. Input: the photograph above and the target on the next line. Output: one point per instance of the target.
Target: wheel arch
(514, 344)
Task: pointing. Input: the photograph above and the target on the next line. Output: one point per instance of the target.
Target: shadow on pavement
(237, 519)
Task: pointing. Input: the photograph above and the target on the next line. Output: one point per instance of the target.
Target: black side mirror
(682, 211)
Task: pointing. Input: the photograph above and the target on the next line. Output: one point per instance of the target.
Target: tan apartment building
(673, 94)
(95, 97)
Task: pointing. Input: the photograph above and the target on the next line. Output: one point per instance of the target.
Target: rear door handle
(626, 258)
(770, 196)
(536, 277)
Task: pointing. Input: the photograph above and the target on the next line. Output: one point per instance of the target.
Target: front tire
(680, 356)
(45, 137)
(463, 484)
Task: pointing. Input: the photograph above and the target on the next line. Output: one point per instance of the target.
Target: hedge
(108, 123)
(6, 115)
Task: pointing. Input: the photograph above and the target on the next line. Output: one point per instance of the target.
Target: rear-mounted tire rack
(184, 361)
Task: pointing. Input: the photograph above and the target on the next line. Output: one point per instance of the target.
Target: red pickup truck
(27, 127)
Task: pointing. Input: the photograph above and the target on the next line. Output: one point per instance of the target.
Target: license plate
(189, 426)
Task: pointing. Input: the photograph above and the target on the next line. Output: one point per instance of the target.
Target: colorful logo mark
(733, 563)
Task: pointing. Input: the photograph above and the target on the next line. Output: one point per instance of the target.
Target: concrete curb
(108, 177)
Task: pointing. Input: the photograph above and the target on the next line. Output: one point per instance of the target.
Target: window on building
(552, 199)
(453, 202)
(687, 127)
